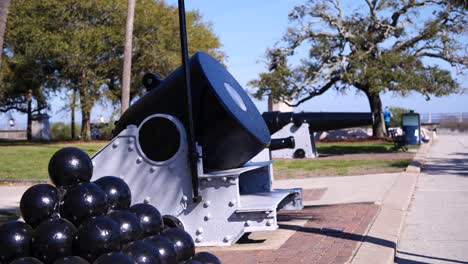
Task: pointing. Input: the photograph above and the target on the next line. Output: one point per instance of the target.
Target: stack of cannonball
(78, 222)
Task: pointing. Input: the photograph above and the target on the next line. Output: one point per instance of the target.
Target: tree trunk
(127, 66)
(72, 110)
(29, 114)
(85, 109)
(376, 109)
(4, 5)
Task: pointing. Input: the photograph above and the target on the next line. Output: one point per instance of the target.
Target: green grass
(23, 160)
(333, 148)
(354, 147)
(284, 169)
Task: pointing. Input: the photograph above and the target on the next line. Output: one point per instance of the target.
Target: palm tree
(4, 4)
(127, 56)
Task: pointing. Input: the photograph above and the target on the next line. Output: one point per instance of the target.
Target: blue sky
(246, 29)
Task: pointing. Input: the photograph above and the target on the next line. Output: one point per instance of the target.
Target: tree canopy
(79, 45)
(381, 46)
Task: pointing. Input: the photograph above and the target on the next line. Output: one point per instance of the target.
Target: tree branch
(315, 92)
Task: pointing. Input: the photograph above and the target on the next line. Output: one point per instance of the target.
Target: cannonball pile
(82, 222)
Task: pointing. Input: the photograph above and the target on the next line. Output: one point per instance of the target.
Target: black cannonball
(99, 235)
(83, 202)
(26, 260)
(70, 166)
(71, 260)
(167, 251)
(117, 191)
(150, 219)
(192, 261)
(129, 223)
(182, 241)
(40, 202)
(142, 253)
(206, 258)
(53, 239)
(15, 240)
(114, 258)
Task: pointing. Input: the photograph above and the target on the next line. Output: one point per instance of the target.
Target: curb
(418, 161)
(380, 242)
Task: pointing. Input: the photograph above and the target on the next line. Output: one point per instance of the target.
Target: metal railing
(438, 118)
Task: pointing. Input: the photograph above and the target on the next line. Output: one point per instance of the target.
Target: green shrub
(397, 113)
(62, 131)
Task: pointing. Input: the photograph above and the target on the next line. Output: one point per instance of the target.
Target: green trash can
(411, 126)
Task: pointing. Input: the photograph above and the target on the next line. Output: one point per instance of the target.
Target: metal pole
(127, 66)
(193, 156)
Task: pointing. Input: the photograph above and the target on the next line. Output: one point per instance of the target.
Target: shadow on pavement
(342, 235)
(447, 166)
(409, 261)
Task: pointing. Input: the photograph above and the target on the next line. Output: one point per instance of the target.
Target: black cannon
(318, 121)
(227, 124)
(150, 150)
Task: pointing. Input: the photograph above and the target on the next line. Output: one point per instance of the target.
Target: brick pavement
(310, 244)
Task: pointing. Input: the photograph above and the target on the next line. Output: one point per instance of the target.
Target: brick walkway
(312, 243)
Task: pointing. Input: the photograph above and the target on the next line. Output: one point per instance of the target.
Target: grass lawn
(22, 160)
(289, 169)
(28, 161)
(356, 147)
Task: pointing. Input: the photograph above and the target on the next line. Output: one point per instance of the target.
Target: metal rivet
(147, 199)
(207, 217)
(269, 222)
(208, 179)
(152, 169)
(206, 204)
(199, 231)
(116, 144)
(130, 148)
(130, 141)
(232, 203)
(139, 160)
(184, 198)
(224, 179)
(198, 239)
(227, 239)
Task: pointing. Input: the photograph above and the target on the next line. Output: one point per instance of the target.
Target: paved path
(345, 189)
(436, 225)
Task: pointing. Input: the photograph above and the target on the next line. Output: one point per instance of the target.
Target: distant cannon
(301, 126)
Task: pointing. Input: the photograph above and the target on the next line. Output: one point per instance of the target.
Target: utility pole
(127, 65)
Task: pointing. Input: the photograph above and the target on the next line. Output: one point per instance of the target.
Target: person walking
(387, 118)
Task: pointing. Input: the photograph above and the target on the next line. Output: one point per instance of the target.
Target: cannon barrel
(227, 124)
(318, 121)
(282, 143)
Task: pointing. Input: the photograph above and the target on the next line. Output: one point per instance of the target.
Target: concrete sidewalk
(345, 189)
(10, 197)
(436, 226)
